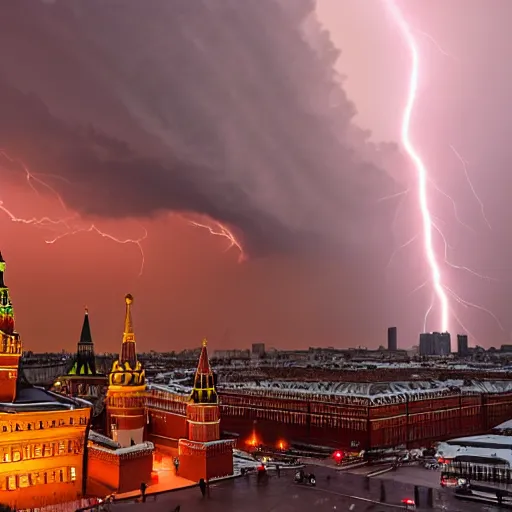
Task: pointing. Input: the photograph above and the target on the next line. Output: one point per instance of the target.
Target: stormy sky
(258, 115)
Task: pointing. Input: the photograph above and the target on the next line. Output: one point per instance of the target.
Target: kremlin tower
(83, 380)
(10, 347)
(126, 418)
(85, 363)
(204, 454)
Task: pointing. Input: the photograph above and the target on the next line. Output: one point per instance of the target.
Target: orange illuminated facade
(42, 434)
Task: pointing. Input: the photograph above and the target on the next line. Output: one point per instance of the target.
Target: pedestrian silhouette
(202, 486)
(143, 488)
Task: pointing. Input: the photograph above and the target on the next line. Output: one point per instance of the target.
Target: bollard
(382, 492)
(430, 498)
(417, 495)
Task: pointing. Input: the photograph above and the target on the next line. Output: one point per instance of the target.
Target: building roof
(34, 398)
(376, 392)
(485, 449)
(102, 440)
(506, 425)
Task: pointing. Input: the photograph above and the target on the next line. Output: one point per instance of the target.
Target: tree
(6, 508)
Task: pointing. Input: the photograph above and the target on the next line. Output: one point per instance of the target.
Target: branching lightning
(470, 183)
(436, 44)
(220, 229)
(62, 226)
(441, 292)
(422, 173)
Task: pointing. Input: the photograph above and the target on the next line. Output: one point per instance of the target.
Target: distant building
(232, 354)
(258, 350)
(392, 339)
(435, 344)
(462, 345)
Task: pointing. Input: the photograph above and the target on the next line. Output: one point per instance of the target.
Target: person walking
(143, 488)
(202, 486)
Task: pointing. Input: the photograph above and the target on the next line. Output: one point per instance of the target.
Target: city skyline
(320, 267)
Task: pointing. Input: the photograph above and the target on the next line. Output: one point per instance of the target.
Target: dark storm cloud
(226, 108)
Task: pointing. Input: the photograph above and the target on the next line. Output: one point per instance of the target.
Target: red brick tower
(204, 454)
(126, 418)
(10, 343)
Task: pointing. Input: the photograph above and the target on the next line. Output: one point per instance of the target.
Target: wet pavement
(335, 490)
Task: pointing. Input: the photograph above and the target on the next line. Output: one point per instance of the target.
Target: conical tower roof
(204, 382)
(85, 335)
(203, 365)
(85, 363)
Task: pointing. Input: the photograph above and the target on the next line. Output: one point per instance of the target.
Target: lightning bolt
(421, 170)
(63, 226)
(441, 292)
(219, 229)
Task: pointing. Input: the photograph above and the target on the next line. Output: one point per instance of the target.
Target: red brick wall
(134, 471)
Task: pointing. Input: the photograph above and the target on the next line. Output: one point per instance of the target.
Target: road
(334, 491)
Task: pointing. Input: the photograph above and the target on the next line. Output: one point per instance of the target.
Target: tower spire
(128, 323)
(128, 351)
(2, 270)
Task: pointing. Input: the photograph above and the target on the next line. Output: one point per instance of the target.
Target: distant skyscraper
(392, 339)
(258, 350)
(435, 344)
(462, 345)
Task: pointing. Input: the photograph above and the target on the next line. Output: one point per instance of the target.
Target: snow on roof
(129, 449)
(492, 447)
(502, 456)
(172, 387)
(95, 437)
(506, 425)
(376, 392)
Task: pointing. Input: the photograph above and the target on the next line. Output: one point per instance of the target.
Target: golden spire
(205, 342)
(128, 324)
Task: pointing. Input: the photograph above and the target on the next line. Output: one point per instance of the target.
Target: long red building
(364, 415)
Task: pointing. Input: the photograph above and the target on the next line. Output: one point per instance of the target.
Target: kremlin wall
(97, 433)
